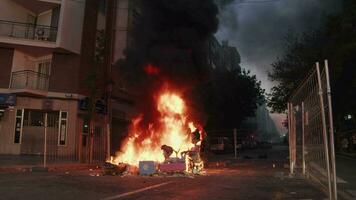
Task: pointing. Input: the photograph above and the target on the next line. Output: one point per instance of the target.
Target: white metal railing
(28, 79)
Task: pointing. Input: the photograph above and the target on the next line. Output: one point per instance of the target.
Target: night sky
(258, 29)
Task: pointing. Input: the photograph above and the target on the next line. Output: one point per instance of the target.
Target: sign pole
(235, 142)
(45, 142)
(303, 137)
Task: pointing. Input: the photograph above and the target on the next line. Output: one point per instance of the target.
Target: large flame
(172, 129)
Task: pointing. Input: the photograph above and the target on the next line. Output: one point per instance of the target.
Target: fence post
(303, 138)
(325, 138)
(294, 139)
(331, 129)
(235, 142)
(290, 137)
(45, 141)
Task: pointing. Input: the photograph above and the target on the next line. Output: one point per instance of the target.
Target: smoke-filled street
(245, 178)
(177, 99)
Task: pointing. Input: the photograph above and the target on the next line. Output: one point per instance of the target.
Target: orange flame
(172, 129)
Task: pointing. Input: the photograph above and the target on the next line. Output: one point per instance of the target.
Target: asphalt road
(346, 170)
(249, 178)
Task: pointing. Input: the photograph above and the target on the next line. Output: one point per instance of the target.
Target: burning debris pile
(169, 45)
(171, 144)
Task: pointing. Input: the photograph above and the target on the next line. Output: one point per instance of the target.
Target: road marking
(340, 180)
(136, 191)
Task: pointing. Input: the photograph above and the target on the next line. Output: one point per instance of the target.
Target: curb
(346, 156)
(49, 168)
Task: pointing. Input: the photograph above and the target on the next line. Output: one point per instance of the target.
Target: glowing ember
(172, 129)
(151, 70)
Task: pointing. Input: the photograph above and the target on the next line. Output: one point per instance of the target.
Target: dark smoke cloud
(258, 29)
(171, 35)
(168, 45)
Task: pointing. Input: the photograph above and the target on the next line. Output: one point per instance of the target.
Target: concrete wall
(64, 73)
(7, 130)
(45, 18)
(6, 56)
(11, 11)
(71, 25)
(121, 29)
(22, 61)
(87, 64)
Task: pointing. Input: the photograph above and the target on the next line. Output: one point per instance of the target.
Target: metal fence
(48, 138)
(28, 31)
(311, 134)
(28, 79)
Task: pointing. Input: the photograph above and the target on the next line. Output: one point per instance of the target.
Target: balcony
(28, 31)
(30, 80)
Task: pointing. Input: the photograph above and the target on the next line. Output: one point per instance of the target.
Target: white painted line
(136, 191)
(340, 180)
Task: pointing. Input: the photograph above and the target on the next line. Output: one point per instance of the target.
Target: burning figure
(194, 163)
(167, 151)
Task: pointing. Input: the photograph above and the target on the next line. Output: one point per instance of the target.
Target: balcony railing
(29, 80)
(28, 31)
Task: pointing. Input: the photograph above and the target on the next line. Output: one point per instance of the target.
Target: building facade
(46, 56)
(222, 56)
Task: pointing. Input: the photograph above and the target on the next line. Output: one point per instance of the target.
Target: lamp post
(108, 119)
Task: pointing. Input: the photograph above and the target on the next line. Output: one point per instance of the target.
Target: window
(34, 118)
(18, 126)
(62, 136)
(44, 67)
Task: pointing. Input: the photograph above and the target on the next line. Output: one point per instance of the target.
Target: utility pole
(109, 34)
(235, 142)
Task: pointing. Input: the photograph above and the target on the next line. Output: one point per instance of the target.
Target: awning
(7, 100)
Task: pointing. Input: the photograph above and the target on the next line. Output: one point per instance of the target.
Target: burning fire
(172, 129)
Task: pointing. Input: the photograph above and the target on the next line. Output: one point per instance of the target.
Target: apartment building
(222, 56)
(46, 54)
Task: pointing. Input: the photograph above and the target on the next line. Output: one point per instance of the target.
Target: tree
(228, 98)
(335, 41)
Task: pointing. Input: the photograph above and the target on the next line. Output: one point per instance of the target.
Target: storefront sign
(47, 104)
(7, 100)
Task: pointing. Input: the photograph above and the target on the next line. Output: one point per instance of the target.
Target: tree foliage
(229, 98)
(335, 41)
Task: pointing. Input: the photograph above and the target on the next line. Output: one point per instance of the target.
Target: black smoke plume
(168, 45)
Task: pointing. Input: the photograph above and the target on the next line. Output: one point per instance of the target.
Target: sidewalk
(345, 170)
(22, 163)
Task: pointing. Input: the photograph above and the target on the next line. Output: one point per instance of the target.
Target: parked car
(265, 145)
(221, 145)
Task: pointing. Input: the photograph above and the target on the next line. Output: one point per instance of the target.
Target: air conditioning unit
(41, 34)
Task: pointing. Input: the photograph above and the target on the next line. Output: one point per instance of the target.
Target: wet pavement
(249, 178)
(345, 170)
